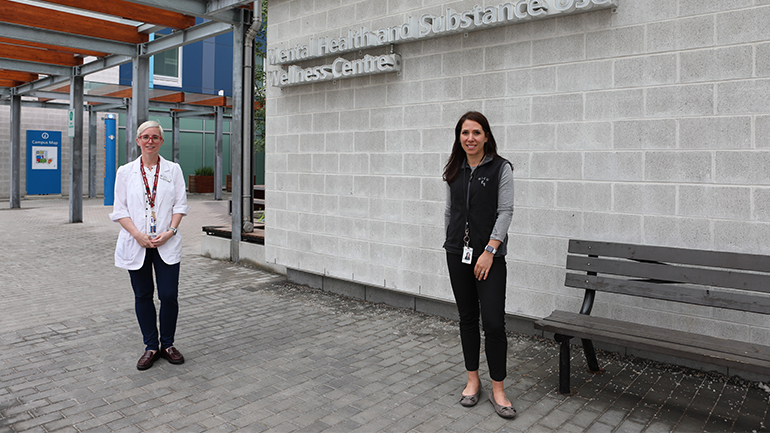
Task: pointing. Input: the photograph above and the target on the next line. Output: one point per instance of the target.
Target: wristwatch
(173, 229)
(490, 249)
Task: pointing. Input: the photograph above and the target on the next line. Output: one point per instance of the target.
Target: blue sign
(43, 162)
(111, 131)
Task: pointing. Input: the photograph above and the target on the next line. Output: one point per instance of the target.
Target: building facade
(641, 121)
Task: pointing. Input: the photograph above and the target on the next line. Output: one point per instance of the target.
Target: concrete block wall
(53, 120)
(646, 124)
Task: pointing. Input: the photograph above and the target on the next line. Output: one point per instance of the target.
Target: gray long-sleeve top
(504, 204)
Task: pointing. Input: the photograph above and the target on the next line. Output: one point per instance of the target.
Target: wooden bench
(720, 280)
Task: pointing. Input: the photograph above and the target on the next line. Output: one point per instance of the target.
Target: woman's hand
(483, 265)
(145, 241)
(161, 238)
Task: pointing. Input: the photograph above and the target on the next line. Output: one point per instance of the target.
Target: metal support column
(248, 136)
(236, 141)
(175, 137)
(15, 151)
(76, 151)
(218, 131)
(131, 148)
(92, 118)
(140, 97)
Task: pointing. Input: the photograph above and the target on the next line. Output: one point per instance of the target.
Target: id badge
(153, 227)
(467, 255)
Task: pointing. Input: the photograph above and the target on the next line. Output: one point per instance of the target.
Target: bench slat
(741, 261)
(677, 274)
(688, 339)
(746, 356)
(670, 292)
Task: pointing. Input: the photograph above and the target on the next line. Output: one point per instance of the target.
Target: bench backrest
(712, 278)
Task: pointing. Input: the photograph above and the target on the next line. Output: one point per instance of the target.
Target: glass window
(167, 67)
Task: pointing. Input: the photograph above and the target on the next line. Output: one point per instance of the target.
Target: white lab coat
(131, 201)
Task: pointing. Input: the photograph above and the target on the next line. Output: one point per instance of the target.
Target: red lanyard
(150, 197)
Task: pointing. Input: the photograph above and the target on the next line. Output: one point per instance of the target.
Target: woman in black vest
(478, 212)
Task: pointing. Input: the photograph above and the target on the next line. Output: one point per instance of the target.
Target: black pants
(488, 296)
(167, 277)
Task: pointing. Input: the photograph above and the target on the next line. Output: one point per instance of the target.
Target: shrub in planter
(202, 181)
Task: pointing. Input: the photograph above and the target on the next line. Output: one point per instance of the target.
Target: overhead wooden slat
(18, 76)
(171, 97)
(10, 83)
(39, 55)
(216, 101)
(53, 47)
(33, 16)
(132, 11)
(123, 93)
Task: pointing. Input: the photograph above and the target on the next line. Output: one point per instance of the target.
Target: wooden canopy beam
(10, 83)
(216, 101)
(132, 11)
(18, 76)
(123, 93)
(175, 97)
(34, 16)
(52, 47)
(39, 55)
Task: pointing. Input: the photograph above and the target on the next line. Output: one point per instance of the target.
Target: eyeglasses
(150, 137)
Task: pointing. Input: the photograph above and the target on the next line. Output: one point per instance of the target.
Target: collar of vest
(487, 159)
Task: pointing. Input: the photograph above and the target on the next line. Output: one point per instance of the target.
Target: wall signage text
(428, 26)
(340, 68)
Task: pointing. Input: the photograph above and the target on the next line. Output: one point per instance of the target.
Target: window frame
(167, 80)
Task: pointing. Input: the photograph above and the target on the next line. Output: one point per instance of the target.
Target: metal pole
(131, 148)
(140, 104)
(248, 147)
(15, 151)
(175, 137)
(76, 151)
(92, 117)
(248, 118)
(236, 145)
(218, 126)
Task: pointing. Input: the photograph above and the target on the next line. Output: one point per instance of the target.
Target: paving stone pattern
(267, 355)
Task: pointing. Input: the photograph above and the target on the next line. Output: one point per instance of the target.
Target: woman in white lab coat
(150, 201)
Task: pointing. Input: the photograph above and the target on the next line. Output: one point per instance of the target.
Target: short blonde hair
(149, 124)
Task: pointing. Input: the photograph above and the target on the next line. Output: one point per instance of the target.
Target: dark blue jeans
(485, 298)
(167, 278)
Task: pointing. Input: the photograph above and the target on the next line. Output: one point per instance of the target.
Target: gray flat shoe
(470, 400)
(507, 412)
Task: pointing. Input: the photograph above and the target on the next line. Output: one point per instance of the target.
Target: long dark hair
(452, 167)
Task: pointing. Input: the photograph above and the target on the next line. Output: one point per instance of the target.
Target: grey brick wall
(646, 124)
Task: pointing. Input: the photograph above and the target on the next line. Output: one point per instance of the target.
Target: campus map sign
(426, 26)
(43, 168)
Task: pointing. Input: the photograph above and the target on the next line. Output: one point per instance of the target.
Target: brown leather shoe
(172, 355)
(147, 359)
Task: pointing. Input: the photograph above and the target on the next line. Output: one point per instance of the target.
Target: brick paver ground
(267, 355)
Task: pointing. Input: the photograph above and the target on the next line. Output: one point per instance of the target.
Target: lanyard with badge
(151, 196)
(467, 250)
